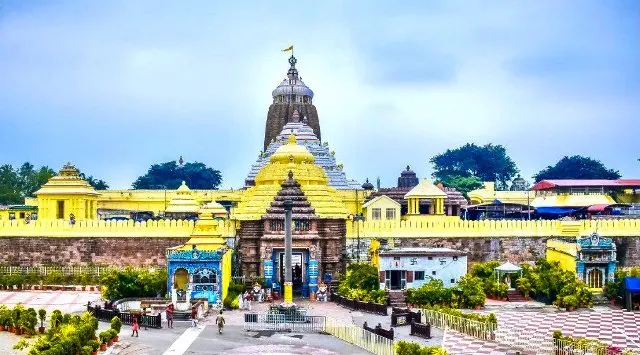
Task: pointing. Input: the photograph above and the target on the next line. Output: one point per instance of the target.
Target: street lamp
(356, 218)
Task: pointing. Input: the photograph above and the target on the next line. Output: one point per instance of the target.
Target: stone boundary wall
(114, 251)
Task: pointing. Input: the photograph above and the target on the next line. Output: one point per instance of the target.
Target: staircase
(397, 299)
(599, 299)
(515, 296)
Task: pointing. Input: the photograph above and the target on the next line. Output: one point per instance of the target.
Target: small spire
(290, 175)
(292, 139)
(181, 161)
(408, 168)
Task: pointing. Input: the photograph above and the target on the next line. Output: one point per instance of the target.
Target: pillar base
(288, 293)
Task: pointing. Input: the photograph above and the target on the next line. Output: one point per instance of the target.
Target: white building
(403, 268)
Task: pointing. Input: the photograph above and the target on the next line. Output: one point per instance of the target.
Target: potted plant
(116, 325)
(42, 314)
(112, 336)
(15, 319)
(28, 321)
(104, 339)
(55, 319)
(94, 345)
(5, 317)
(570, 302)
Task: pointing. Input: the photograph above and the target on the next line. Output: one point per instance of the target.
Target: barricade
(421, 330)
(360, 337)
(283, 323)
(126, 318)
(479, 330)
(355, 305)
(404, 316)
(378, 330)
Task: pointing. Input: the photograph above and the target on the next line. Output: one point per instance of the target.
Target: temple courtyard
(517, 322)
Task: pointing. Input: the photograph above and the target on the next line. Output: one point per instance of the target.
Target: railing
(479, 330)
(360, 337)
(283, 322)
(45, 270)
(378, 330)
(400, 316)
(562, 347)
(106, 315)
(355, 305)
(421, 330)
(96, 228)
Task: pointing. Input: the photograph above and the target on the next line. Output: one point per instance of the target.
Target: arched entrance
(180, 279)
(594, 278)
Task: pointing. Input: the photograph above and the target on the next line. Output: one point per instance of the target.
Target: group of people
(197, 312)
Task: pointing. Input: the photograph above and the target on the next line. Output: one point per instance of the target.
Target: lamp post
(288, 277)
(356, 218)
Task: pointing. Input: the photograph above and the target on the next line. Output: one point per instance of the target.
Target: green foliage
(463, 184)
(429, 294)
(470, 292)
(16, 312)
(235, 289)
(97, 184)
(408, 348)
(132, 282)
(548, 282)
(74, 337)
(486, 163)
(116, 324)
(105, 336)
(571, 345)
(55, 320)
(361, 283)
(577, 167)
(54, 277)
(29, 320)
(16, 184)
(21, 345)
(615, 288)
(170, 175)
(93, 344)
(5, 315)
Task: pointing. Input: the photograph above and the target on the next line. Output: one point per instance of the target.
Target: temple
(319, 233)
(322, 155)
(291, 95)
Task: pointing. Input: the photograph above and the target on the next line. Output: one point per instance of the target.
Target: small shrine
(200, 268)
(596, 260)
(184, 205)
(67, 196)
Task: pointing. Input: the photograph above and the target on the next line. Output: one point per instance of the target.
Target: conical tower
(291, 95)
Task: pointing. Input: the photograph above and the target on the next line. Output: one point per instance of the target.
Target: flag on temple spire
(290, 48)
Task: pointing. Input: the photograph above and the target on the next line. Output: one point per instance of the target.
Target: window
(60, 212)
(376, 214)
(21, 215)
(433, 273)
(396, 258)
(419, 275)
(453, 281)
(455, 258)
(391, 213)
(430, 258)
(302, 225)
(204, 276)
(276, 226)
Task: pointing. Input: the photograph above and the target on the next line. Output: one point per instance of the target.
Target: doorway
(297, 271)
(594, 278)
(396, 279)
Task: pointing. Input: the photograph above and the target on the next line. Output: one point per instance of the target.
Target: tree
(577, 167)
(97, 184)
(486, 163)
(170, 175)
(461, 183)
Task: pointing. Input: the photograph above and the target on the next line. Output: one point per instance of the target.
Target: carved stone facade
(320, 243)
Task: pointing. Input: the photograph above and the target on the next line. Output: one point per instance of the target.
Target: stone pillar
(288, 277)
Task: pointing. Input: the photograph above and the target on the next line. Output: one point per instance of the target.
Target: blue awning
(632, 284)
(555, 210)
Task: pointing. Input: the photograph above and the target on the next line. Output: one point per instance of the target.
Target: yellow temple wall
(157, 200)
(83, 207)
(490, 228)
(353, 199)
(562, 252)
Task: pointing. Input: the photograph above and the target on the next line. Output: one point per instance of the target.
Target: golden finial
(292, 139)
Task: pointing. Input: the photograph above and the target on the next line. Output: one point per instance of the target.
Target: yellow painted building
(382, 208)
(563, 252)
(66, 195)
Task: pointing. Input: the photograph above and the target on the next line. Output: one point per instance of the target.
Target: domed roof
(408, 172)
(300, 130)
(518, 184)
(293, 84)
(367, 185)
(67, 182)
(292, 152)
(408, 178)
(184, 202)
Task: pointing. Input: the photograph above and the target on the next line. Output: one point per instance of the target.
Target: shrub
(93, 344)
(105, 336)
(132, 282)
(54, 277)
(431, 293)
(408, 348)
(16, 312)
(29, 320)
(42, 314)
(55, 319)
(231, 301)
(469, 292)
(5, 315)
(116, 324)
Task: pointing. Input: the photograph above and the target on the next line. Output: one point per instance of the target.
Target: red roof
(621, 183)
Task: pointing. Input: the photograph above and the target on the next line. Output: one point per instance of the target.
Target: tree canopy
(484, 163)
(461, 183)
(577, 167)
(170, 175)
(18, 183)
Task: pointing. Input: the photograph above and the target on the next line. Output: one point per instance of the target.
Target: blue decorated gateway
(596, 260)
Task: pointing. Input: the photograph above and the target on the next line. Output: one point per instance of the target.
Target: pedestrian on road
(134, 327)
(194, 316)
(220, 322)
(169, 312)
(144, 314)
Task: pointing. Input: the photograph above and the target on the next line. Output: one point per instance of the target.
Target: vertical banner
(268, 271)
(313, 275)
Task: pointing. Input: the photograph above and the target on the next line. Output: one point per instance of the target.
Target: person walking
(194, 316)
(144, 314)
(220, 322)
(169, 311)
(134, 327)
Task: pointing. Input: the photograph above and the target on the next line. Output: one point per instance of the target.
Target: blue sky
(114, 86)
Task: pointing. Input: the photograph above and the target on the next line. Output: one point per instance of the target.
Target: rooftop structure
(305, 136)
(291, 95)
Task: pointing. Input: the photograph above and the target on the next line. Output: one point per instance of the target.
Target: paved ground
(65, 301)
